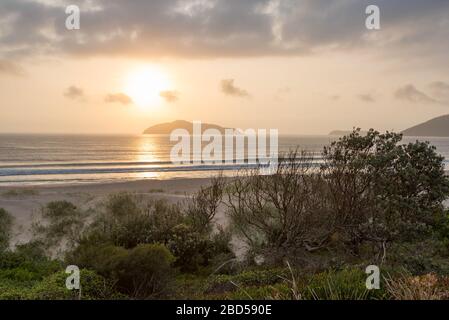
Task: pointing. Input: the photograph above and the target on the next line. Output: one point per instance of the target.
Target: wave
(59, 171)
(129, 167)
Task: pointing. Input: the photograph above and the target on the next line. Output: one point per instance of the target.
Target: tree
(202, 208)
(381, 190)
(282, 210)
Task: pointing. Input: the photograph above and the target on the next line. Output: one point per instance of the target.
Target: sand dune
(24, 203)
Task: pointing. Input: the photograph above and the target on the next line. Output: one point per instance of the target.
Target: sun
(144, 86)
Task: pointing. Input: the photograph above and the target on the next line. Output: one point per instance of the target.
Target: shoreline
(109, 184)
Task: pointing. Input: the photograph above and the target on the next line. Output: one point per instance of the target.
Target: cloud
(169, 96)
(366, 97)
(334, 97)
(118, 98)
(10, 68)
(228, 88)
(411, 94)
(440, 89)
(220, 28)
(74, 93)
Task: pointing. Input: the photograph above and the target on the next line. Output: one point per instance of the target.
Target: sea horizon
(30, 159)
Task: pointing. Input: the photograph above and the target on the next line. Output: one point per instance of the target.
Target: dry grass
(425, 287)
(20, 193)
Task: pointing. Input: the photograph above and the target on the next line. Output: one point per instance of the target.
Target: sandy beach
(24, 203)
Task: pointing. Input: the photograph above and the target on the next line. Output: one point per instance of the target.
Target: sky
(300, 66)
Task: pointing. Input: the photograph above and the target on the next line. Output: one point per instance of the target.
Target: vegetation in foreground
(308, 230)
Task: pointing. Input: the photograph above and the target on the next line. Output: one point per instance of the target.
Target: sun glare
(144, 86)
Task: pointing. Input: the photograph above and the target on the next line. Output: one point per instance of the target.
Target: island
(168, 127)
(436, 127)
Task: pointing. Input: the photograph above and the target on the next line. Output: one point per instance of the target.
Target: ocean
(72, 159)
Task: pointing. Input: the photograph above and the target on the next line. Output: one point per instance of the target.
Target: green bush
(62, 222)
(194, 249)
(12, 292)
(58, 209)
(26, 265)
(221, 284)
(53, 287)
(421, 257)
(370, 190)
(5, 229)
(383, 191)
(146, 272)
(104, 259)
(128, 222)
(346, 284)
(189, 247)
(122, 205)
(278, 291)
(142, 272)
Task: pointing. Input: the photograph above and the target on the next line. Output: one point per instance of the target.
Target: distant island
(168, 127)
(437, 127)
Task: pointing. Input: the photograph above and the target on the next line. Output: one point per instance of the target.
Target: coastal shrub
(189, 247)
(61, 225)
(421, 257)
(203, 206)
(383, 191)
(23, 268)
(20, 193)
(369, 192)
(280, 211)
(247, 278)
(104, 258)
(11, 291)
(163, 217)
(58, 209)
(194, 250)
(26, 265)
(92, 285)
(128, 221)
(122, 205)
(222, 257)
(142, 272)
(346, 284)
(146, 272)
(260, 284)
(278, 291)
(442, 231)
(120, 222)
(5, 229)
(425, 287)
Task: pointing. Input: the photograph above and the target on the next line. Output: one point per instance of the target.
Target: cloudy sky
(302, 66)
